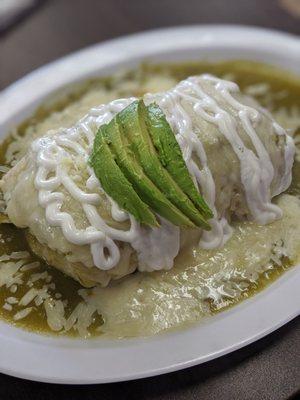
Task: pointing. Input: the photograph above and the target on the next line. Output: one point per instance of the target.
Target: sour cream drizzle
(53, 153)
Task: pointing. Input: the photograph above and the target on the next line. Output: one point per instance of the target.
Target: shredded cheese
(23, 313)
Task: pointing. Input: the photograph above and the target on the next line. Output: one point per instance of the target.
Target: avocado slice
(134, 127)
(145, 188)
(116, 184)
(169, 154)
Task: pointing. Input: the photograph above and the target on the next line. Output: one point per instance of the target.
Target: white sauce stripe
(55, 152)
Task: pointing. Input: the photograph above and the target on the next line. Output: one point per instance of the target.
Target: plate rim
(289, 281)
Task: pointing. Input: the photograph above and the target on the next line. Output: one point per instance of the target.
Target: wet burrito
(106, 196)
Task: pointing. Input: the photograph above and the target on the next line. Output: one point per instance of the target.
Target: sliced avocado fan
(139, 148)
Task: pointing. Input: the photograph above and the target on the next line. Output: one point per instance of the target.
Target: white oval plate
(64, 360)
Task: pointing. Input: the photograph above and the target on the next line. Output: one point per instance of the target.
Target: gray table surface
(268, 369)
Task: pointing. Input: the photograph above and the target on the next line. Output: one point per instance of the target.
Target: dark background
(268, 369)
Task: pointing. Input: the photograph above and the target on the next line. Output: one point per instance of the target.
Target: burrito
(136, 181)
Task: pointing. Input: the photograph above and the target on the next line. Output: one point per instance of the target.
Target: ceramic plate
(64, 360)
